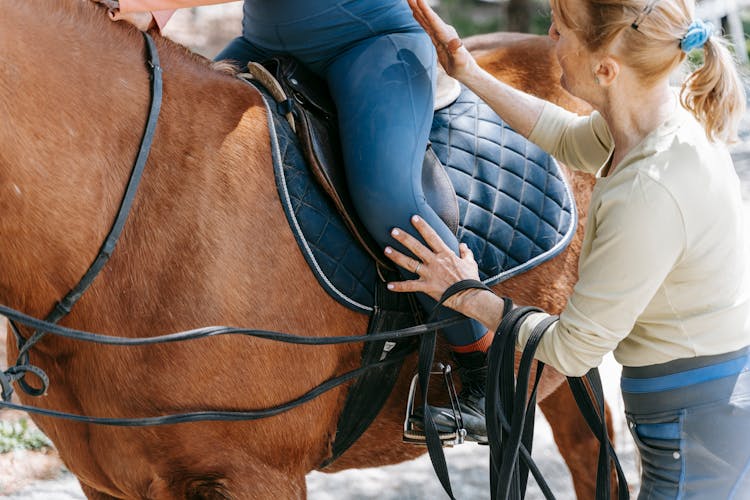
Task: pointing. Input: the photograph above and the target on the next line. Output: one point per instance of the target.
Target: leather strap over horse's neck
(64, 306)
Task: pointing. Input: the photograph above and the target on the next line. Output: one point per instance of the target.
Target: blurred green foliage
(19, 436)
(471, 17)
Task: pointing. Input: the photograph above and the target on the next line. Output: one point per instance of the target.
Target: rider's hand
(437, 266)
(141, 20)
(451, 53)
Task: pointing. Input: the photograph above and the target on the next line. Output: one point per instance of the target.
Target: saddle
(515, 211)
(303, 98)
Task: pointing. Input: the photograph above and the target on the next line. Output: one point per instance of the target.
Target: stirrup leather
(414, 435)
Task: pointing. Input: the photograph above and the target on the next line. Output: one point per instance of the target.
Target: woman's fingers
(141, 20)
(410, 264)
(418, 14)
(442, 28)
(435, 243)
(406, 286)
(439, 30)
(412, 244)
(430, 236)
(465, 252)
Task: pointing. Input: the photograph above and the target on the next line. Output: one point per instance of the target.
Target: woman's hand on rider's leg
(438, 266)
(451, 53)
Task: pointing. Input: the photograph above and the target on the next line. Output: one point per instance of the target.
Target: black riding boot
(472, 370)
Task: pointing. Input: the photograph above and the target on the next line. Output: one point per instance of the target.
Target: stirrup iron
(415, 435)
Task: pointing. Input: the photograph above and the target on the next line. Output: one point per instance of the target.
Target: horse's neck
(74, 113)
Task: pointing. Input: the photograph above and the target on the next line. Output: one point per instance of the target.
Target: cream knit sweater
(664, 271)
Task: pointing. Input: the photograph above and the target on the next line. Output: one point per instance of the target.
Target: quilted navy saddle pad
(515, 208)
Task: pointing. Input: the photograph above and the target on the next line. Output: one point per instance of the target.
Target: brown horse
(207, 243)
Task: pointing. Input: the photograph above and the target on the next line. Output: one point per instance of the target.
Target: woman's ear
(606, 71)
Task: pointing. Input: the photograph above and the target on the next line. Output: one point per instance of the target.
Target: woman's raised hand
(451, 53)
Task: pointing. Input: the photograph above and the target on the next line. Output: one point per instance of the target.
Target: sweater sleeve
(639, 236)
(581, 142)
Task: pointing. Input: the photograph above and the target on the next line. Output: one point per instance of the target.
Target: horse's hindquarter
(206, 243)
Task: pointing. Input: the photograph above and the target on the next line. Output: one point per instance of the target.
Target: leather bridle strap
(595, 418)
(62, 308)
(510, 416)
(212, 415)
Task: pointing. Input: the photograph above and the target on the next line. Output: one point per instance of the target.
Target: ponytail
(714, 93)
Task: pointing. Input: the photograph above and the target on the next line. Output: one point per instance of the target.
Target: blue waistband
(685, 378)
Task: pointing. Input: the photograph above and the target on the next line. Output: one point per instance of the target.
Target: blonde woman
(664, 279)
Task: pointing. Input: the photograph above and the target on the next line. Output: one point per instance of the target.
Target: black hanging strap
(65, 305)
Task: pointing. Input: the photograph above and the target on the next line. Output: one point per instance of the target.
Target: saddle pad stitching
(493, 187)
(525, 183)
(529, 263)
(275, 152)
(510, 172)
(338, 264)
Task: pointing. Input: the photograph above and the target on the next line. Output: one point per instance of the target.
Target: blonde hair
(647, 33)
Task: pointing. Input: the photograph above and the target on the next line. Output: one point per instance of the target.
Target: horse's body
(206, 244)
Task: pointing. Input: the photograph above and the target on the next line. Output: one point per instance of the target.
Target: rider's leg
(384, 95)
(382, 85)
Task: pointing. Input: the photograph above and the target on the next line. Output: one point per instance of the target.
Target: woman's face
(575, 61)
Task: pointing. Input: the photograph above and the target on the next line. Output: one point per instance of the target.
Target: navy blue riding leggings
(380, 66)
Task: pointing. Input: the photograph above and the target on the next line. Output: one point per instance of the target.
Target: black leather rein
(70, 333)
(63, 308)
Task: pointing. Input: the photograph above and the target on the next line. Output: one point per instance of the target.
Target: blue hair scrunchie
(697, 34)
